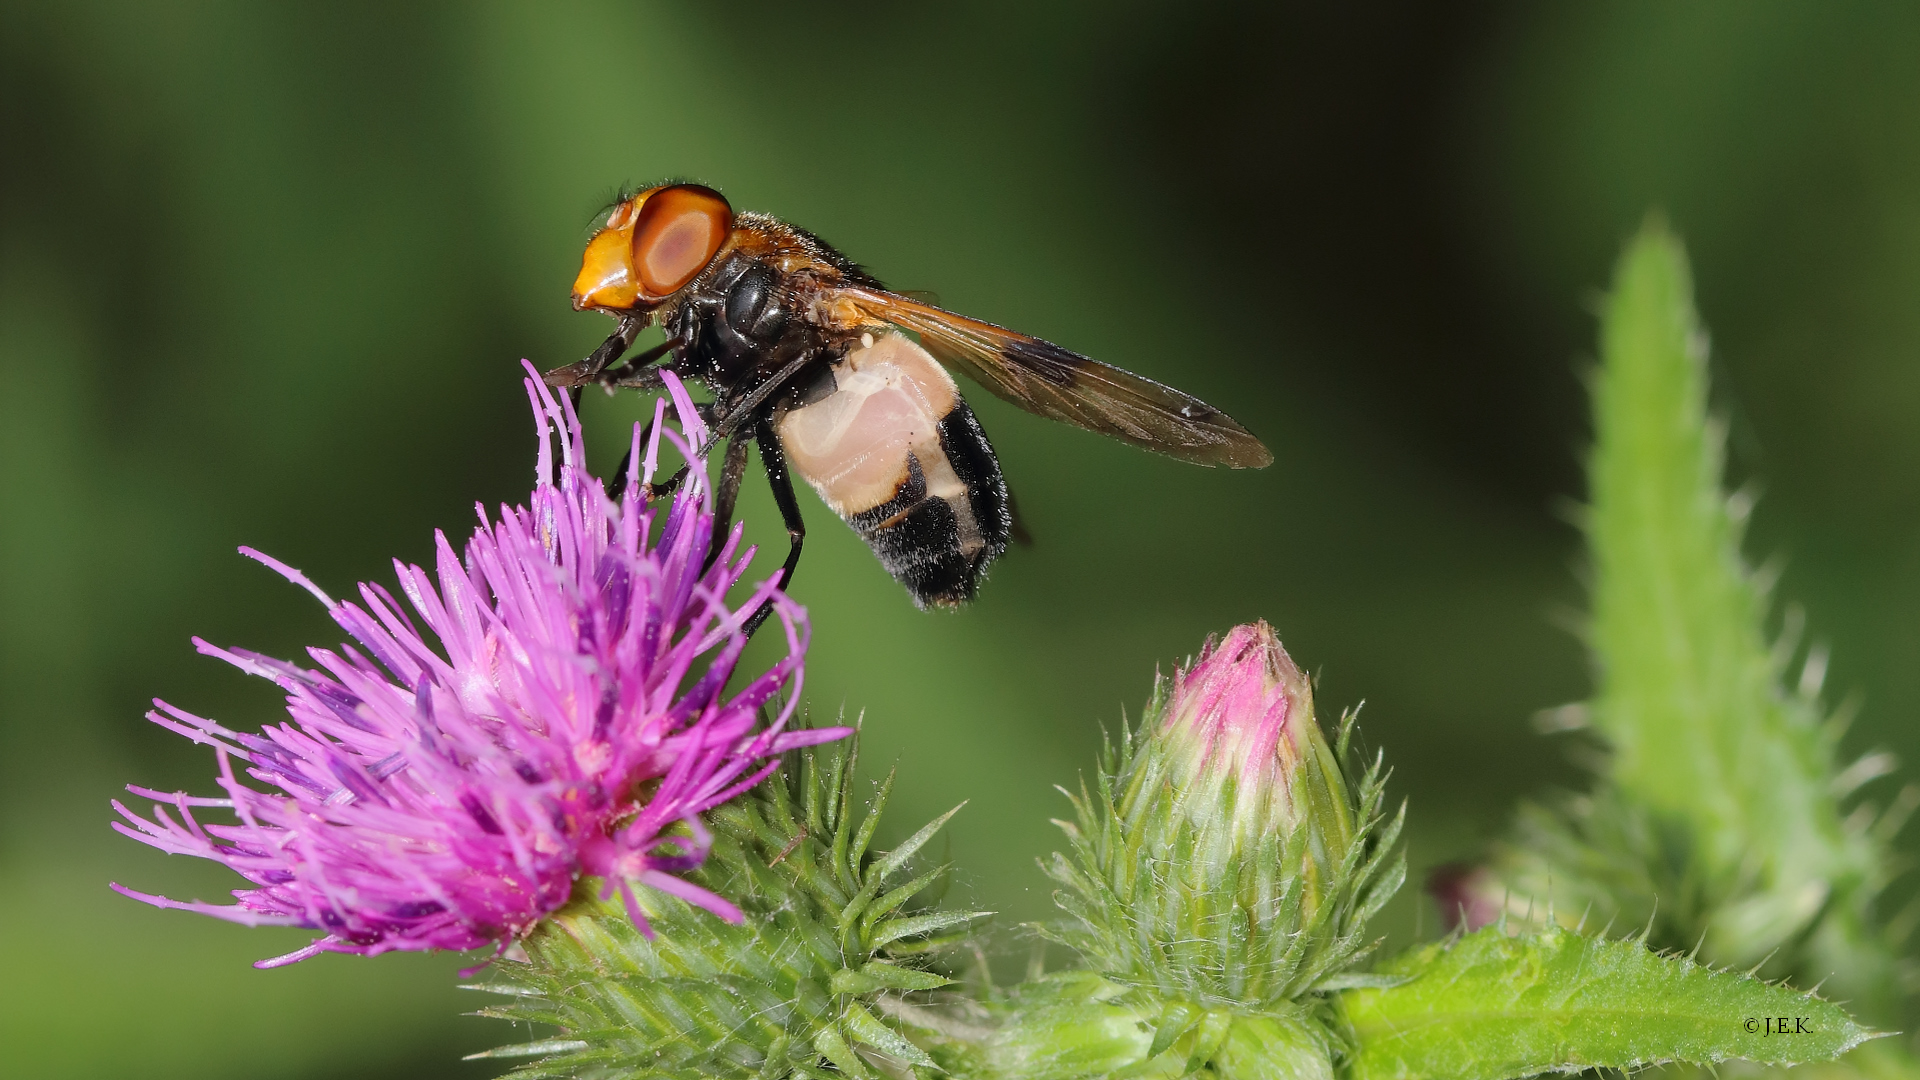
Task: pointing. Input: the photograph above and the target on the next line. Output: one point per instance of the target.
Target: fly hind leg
(617, 482)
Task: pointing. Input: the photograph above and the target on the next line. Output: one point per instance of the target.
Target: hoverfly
(805, 356)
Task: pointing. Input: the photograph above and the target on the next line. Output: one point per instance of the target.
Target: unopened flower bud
(1245, 750)
(1224, 857)
(1222, 873)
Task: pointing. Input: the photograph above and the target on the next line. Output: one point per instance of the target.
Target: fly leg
(576, 376)
(732, 469)
(730, 417)
(635, 373)
(638, 373)
(782, 484)
(1020, 535)
(617, 342)
(617, 482)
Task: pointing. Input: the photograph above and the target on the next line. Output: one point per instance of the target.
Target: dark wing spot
(1043, 358)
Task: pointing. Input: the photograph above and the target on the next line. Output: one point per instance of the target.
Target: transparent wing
(1050, 381)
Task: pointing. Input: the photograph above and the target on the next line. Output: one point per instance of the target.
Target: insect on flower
(558, 708)
(805, 355)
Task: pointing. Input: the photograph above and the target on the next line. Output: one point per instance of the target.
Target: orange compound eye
(675, 235)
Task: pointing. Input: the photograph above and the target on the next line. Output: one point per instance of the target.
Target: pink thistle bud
(1240, 717)
(554, 706)
(1224, 854)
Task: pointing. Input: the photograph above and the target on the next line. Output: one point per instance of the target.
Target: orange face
(651, 246)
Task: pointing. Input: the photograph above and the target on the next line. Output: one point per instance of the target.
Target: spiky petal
(557, 708)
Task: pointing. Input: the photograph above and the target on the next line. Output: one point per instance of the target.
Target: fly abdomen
(896, 452)
(941, 528)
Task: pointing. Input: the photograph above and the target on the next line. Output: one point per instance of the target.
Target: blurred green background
(267, 272)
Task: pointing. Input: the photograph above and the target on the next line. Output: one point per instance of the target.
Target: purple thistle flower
(573, 710)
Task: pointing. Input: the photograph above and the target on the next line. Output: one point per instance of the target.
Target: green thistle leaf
(1721, 819)
(1490, 1007)
(802, 988)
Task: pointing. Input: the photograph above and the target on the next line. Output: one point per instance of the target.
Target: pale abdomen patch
(896, 452)
(852, 445)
